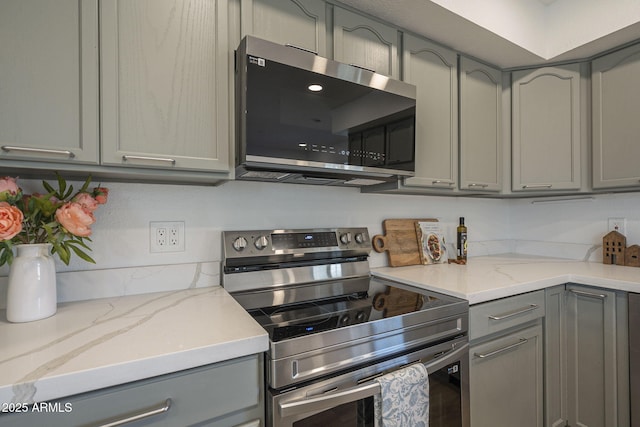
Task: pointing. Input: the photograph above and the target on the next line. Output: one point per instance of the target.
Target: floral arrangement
(60, 217)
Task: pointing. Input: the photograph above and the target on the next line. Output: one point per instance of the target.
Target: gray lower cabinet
(220, 395)
(615, 80)
(507, 362)
(586, 346)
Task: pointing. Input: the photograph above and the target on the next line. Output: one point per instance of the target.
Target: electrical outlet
(166, 236)
(619, 224)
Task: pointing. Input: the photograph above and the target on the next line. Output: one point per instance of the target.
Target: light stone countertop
(93, 344)
(491, 277)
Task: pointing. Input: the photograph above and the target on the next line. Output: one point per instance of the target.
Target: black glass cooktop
(382, 300)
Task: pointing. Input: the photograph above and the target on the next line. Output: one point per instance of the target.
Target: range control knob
(344, 320)
(360, 316)
(240, 243)
(360, 238)
(261, 242)
(345, 238)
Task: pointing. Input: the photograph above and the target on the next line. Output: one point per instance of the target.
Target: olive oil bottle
(462, 241)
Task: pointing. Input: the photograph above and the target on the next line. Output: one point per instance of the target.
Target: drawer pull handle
(153, 159)
(533, 186)
(587, 294)
(143, 414)
(514, 313)
(67, 153)
(473, 185)
(500, 350)
(442, 182)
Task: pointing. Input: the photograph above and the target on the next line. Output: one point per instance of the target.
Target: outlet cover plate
(166, 236)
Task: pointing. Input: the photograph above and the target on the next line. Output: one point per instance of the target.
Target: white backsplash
(124, 264)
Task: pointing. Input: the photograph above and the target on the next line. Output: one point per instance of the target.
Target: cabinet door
(555, 357)
(480, 126)
(165, 84)
(616, 129)
(49, 80)
(433, 70)
(300, 23)
(506, 380)
(365, 43)
(547, 129)
(598, 371)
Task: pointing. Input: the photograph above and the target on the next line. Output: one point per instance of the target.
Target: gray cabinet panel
(480, 127)
(165, 87)
(220, 395)
(615, 82)
(301, 23)
(547, 129)
(49, 81)
(555, 375)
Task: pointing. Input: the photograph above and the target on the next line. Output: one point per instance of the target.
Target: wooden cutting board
(400, 241)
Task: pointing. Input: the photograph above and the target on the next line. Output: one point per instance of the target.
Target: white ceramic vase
(32, 284)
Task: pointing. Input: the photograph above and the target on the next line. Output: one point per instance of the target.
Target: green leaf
(48, 187)
(86, 185)
(80, 253)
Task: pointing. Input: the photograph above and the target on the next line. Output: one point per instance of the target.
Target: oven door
(347, 400)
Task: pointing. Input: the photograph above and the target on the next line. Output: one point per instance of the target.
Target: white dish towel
(404, 398)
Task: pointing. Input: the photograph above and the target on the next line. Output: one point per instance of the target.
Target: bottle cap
(461, 220)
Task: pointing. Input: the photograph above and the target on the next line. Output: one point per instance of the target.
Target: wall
(570, 229)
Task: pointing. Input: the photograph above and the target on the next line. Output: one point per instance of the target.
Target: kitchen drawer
(495, 316)
(222, 394)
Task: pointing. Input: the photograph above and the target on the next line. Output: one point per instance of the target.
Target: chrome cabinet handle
(513, 313)
(501, 350)
(332, 400)
(537, 186)
(67, 153)
(478, 185)
(145, 413)
(587, 294)
(442, 182)
(126, 157)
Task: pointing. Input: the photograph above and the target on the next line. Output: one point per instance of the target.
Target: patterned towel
(404, 400)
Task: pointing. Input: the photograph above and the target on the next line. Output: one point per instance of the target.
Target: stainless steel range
(333, 327)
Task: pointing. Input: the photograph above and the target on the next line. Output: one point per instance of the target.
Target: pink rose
(86, 201)
(8, 187)
(75, 219)
(10, 221)
(101, 194)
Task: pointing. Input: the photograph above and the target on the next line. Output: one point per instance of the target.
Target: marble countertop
(492, 277)
(99, 343)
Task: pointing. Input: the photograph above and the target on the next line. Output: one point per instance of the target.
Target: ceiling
(515, 33)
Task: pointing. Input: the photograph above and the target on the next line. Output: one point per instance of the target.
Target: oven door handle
(368, 389)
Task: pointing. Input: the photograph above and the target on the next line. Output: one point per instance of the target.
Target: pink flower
(75, 219)
(86, 201)
(8, 187)
(10, 221)
(101, 194)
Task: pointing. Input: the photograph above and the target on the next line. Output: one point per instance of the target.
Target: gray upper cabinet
(165, 84)
(480, 127)
(365, 43)
(616, 129)
(434, 71)
(547, 129)
(49, 81)
(301, 23)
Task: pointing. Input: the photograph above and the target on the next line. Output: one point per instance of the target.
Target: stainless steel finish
(239, 243)
(304, 49)
(338, 350)
(513, 313)
(261, 242)
(634, 358)
(9, 148)
(279, 278)
(522, 341)
(316, 403)
(534, 186)
(361, 238)
(144, 414)
(587, 294)
(127, 157)
(346, 238)
(362, 68)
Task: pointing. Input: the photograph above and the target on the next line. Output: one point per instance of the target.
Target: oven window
(445, 405)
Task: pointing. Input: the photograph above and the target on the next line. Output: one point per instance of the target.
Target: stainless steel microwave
(304, 118)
